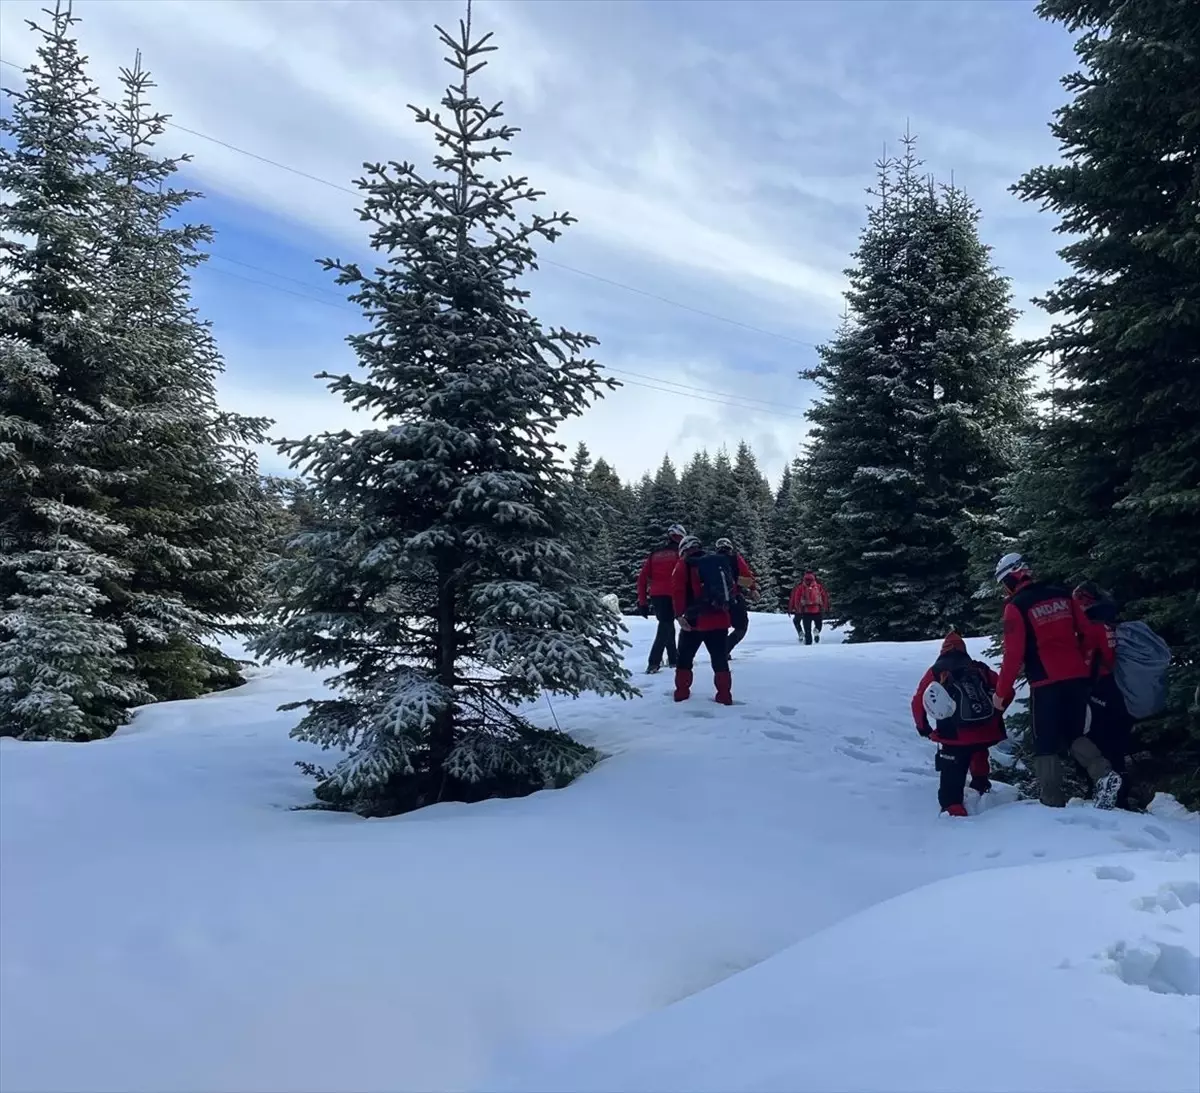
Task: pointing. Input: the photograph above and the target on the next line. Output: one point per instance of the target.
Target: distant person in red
(1109, 723)
(961, 719)
(1044, 634)
(746, 586)
(700, 582)
(808, 606)
(654, 594)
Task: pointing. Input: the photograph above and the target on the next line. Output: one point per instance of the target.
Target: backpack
(716, 581)
(972, 697)
(1141, 669)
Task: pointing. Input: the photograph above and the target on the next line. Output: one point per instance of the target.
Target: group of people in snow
(707, 594)
(1065, 643)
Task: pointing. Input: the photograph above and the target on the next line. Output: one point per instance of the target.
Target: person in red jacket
(746, 586)
(968, 725)
(699, 623)
(654, 593)
(1109, 723)
(808, 606)
(1044, 638)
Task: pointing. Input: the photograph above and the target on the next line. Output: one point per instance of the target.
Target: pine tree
(453, 595)
(724, 502)
(664, 504)
(695, 495)
(63, 673)
(185, 478)
(782, 530)
(749, 530)
(612, 503)
(916, 388)
(1118, 497)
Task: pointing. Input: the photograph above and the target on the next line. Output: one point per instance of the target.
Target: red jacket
(988, 733)
(655, 577)
(1099, 647)
(747, 581)
(1043, 634)
(686, 590)
(809, 599)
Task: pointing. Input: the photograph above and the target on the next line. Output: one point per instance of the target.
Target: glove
(644, 610)
(925, 731)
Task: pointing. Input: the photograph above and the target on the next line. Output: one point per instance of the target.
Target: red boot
(683, 684)
(724, 681)
(955, 810)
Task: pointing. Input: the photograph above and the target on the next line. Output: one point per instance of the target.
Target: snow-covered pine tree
(185, 477)
(63, 674)
(750, 528)
(613, 503)
(782, 532)
(453, 595)
(695, 493)
(916, 388)
(664, 505)
(724, 500)
(1119, 499)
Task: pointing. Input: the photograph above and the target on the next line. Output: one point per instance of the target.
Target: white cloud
(709, 158)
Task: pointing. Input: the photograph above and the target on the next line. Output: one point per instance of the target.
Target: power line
(544, 261)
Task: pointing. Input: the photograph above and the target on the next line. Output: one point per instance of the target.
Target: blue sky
(715, 154)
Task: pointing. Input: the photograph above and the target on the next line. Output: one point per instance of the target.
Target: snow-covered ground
(168, 923)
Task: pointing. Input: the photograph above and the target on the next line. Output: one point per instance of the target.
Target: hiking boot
(683, 684)
(981, 785)
(1048, 771)
(1107, 789)
(652, 669)
(955, 810)
(724, 682)
(817, 639)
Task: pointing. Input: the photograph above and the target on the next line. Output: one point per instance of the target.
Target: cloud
(713, 154)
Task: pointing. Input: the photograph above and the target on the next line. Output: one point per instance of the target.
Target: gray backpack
(1141, 669)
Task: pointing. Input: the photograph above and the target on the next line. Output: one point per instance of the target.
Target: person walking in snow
(654, 591)
(808, 606)
(745, 585)
(953, 707)
(1109, 724)
(703, 593)
(1044, 629)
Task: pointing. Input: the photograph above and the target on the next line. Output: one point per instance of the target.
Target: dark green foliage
(1115, 493)
(917, 390)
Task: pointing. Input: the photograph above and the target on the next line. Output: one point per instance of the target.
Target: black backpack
(966, 684)
(716, 581)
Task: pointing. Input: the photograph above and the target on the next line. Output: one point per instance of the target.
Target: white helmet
(688, 544)
(938, 702)
(676, 532)
(725, 544)
(1009, 565)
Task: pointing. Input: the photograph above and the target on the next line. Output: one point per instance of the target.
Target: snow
(760, 897)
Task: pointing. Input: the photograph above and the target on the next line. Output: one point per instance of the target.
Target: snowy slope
(168, 923)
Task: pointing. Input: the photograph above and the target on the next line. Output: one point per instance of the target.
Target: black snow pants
(739, 613)
(715, 641)
(804, 627)
(1058, 715)
(953, 763)
(664, 640)
(1111, 729)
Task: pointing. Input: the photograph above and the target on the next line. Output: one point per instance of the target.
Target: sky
(716, 155)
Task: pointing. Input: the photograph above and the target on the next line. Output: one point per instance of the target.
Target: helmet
(688, 544)
(1011, 566)
(724, 546)
(676, 533)
(938, 702)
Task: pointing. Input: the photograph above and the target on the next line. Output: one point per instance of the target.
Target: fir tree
(612, 503)
(1117, 498)
(185, 478)
(63, 673)
(749, 530)
(695, 494)
(916, 389)
(782, 532)
(724, 502)
(453, 594)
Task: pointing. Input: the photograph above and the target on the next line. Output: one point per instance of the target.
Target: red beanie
(954, 641)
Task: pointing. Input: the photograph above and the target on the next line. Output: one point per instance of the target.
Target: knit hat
(953, 643)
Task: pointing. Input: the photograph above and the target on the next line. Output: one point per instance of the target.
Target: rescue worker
(965, 727)
(808, 606)
(654, 594)
(746, 585)
(700, 582)
(1044, 637)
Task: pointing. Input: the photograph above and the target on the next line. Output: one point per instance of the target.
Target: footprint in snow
(1114, 872)
(787, 711)
(779, 734)
(1157, 832)
(859, 740)
(860, 755)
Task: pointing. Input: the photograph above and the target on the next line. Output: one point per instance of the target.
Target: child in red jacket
(967, 721)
